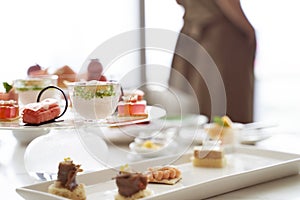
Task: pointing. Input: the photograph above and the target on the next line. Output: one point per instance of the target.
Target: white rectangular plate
(246, 166)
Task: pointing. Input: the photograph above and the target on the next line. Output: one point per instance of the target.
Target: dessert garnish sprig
(94, 91)
(7, 87)
(224, 121)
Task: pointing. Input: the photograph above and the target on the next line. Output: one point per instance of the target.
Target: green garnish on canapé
(91, 92)
(7, 86)
(220, 121)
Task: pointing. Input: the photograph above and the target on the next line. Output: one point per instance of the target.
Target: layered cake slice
(41, 112)
(211, 155)
(132, 105)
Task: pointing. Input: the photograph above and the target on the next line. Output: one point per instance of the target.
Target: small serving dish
(25, 136)
(159, 144)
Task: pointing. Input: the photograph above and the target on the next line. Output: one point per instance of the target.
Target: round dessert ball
(95, 70)
(33, 69)
(36, 70)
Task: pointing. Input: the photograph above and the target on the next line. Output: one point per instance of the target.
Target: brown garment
(231, 52)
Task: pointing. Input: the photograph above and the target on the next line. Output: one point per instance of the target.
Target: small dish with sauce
(152, 146)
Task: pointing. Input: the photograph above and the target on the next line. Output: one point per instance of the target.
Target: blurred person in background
(223, 30)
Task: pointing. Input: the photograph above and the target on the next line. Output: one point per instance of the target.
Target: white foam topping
(45, 104)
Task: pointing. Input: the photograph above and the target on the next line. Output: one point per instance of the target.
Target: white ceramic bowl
(26, 135)
(147, 152)
(154, 147)
(94, 100)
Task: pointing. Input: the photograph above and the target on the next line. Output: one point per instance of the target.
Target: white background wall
(277, 63)
(54, 33)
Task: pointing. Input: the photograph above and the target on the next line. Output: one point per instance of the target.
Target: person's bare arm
(233, 11)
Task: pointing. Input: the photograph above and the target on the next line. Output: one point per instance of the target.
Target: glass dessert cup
(225, 135)
(29, 88)
(94, 101)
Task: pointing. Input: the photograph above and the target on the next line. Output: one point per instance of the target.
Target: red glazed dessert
(9, 110)
(40, 112)
(133, 105)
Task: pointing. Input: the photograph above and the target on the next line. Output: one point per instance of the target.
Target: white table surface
(14, 175)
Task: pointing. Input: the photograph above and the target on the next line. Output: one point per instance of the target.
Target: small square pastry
(209, 155)
(132, 105)
(41, 112)
(9, 110)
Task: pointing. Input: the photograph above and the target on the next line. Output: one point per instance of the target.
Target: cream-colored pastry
(209, 155)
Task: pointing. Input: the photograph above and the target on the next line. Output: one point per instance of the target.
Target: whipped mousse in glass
(94, 100)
